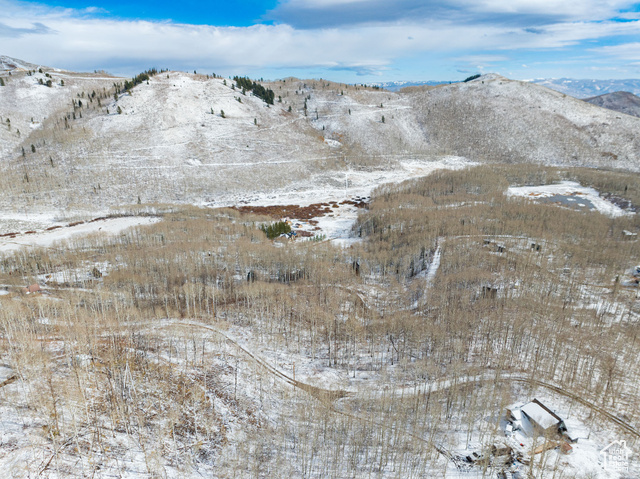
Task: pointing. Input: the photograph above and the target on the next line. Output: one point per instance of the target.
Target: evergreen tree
(276, 229)
(266, 94)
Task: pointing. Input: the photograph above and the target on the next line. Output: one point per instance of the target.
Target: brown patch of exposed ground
(298, 212)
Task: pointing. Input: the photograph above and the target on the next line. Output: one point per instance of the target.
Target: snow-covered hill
(622, 101)
(497, 119)
(9, 64)
(84, 143)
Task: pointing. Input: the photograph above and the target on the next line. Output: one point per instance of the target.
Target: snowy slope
(29, 104)
(496, 119)
(10, 64)
(171, 143)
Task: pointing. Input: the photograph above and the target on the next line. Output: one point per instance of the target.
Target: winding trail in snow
(328, 397)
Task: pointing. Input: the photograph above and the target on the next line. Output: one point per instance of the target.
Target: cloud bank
(335, 37)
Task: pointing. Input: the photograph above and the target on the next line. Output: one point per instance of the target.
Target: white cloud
(576, 9)
(625, 51)
(75, 40)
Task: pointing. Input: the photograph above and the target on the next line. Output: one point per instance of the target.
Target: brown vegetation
(111, 362)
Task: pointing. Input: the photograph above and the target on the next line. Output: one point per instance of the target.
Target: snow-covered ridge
(10, 64)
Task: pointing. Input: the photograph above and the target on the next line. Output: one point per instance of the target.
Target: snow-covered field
(341, 186)
(48, 239)
(570, 194)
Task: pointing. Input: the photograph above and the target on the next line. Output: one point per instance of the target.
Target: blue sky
(354, 41)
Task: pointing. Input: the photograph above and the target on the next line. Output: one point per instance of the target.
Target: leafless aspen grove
(197, 347)
(194, 346)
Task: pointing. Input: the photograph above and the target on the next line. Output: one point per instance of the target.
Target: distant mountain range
(397, 85)
(575, 88)
(589, 88)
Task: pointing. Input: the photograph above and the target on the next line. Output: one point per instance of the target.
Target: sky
(350, 41)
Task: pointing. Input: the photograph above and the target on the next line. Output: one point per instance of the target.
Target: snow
(333, 143)
(339, 186)
(8, 63)
(570, 189)
(588, 88)
(539, 415)
(585, 459)
(433, 267)
(228, 157)
(5, 373)
(47, 239)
